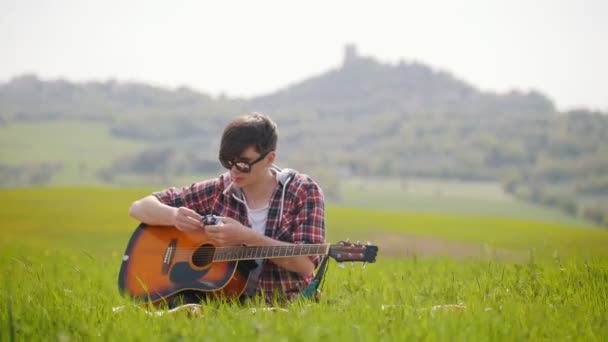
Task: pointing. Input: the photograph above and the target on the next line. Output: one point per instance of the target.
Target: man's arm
(299, 264)
(150, 210)
(309, 220)
(233, 233)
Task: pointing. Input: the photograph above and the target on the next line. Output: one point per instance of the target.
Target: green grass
(447, 197)
(61, 250)
(545, 239)
(82, 147)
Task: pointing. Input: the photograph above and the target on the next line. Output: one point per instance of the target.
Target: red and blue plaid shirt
(302, 220)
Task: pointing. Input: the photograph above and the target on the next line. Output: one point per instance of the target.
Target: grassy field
(61, 250)
(82, 147)
(447, 197)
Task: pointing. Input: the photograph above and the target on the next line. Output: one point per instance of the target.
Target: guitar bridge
(168, 256)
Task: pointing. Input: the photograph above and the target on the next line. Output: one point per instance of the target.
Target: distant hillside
(362, 118)
(28, 98)
(363, 85)
(359, 87)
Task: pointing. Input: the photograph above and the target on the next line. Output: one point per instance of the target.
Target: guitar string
(239, 249)
(240, 253)
(229, 258)
(181, 252)
(273, 247)
(207, 253)
(226, 250)
(256, 248)
(281, 248)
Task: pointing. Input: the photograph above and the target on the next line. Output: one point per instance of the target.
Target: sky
(249, 48)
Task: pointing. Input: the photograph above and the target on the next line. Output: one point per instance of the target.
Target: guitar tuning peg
(341, 265)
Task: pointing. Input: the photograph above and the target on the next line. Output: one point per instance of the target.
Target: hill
(360, 119)
(364, 86)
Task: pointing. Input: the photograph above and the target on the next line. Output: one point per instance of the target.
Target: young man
(259, 205)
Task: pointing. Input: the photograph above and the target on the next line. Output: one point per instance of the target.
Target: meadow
(82, 148)
(521, 278)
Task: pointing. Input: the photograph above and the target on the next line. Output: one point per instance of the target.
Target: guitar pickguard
(182, 273)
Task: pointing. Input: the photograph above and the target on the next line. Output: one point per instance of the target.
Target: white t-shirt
(257, 219)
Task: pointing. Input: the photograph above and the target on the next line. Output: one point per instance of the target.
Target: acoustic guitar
(162, 261)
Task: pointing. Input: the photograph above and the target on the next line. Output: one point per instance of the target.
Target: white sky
(246, 48)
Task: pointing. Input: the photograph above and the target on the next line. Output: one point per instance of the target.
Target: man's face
(258, 170)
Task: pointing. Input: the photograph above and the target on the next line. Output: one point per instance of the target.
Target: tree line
(361, 118)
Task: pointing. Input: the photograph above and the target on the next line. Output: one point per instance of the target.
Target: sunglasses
(242, 165)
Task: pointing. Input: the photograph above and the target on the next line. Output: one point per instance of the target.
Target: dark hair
(256, 130)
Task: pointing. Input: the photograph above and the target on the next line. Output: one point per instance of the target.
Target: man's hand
(231, 233)
(187, 220)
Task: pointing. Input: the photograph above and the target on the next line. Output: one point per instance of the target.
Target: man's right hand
(187, 220)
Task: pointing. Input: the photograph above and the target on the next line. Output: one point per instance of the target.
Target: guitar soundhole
(203, 256)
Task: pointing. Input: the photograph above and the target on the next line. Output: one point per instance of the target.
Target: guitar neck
(268, 252)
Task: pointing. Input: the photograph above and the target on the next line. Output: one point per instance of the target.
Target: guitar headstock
(347, 251)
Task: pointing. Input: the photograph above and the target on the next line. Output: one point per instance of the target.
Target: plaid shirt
(303, 220)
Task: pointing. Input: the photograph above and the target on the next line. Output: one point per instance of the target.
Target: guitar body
(161, 262)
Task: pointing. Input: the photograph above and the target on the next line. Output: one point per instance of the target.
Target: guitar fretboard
(268, 252)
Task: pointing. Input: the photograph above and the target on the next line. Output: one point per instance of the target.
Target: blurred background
(474, 107)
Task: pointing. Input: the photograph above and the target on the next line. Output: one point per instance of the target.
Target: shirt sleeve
(198, 196)
(310, 216)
